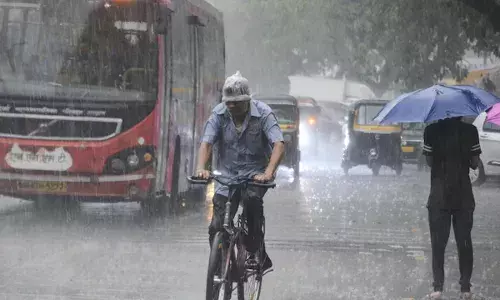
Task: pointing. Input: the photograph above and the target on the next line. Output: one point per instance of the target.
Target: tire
(249, 284)
(216, 263)
(296, 170)
(346, 171)
(479, 176)
(296, 173)
(399, 169)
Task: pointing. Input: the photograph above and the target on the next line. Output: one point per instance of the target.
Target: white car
(489, 138)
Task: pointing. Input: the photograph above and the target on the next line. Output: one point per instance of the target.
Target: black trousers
(440, 221)
(254, 213)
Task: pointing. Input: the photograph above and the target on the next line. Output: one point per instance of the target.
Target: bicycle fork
(230, 231)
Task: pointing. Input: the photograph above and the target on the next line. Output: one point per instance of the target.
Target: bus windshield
(78, 47)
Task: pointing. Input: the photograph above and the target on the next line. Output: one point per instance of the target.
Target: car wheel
(399, 169)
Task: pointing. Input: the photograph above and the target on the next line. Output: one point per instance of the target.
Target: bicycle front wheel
(250, 277)
(219, 285)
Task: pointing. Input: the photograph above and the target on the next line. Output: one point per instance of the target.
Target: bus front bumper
(107, 188)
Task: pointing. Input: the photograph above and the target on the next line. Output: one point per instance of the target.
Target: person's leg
(439, 225)
(462, 226)
(255, 220)
(219, 207)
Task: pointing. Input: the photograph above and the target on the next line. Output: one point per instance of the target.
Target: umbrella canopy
(494, 115)
(435, 103)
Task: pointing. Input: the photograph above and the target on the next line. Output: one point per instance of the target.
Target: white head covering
(236, 88)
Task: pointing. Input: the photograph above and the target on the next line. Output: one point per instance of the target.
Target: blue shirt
(244, 153)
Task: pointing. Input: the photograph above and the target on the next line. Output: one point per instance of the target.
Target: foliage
(379, 42)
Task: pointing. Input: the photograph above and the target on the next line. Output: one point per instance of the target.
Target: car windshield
(284, 114)
(77, 45)
(366, 113)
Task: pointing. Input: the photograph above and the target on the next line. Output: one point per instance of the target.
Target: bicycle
(228, 256)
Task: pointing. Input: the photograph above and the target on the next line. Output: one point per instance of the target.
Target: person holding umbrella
(451, 147)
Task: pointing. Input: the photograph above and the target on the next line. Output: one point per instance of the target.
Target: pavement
(334, 237)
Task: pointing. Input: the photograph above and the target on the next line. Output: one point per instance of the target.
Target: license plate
(43, 186)
(408, 149)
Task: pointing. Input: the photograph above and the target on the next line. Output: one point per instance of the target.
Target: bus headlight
(117, 165)
(130, 160)
(133, 160)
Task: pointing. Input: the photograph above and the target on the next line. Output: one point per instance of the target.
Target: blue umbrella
(435, 103)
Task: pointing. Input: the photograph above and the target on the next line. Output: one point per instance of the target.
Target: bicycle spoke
(218, 285)
(249, 285)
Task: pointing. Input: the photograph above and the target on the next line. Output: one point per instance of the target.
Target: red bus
(105, 100)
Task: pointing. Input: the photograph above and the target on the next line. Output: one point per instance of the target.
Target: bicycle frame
(231, 233)
(239, 182)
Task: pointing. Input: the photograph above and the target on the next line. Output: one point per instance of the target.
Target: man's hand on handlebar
(203, 174)
(264, 177)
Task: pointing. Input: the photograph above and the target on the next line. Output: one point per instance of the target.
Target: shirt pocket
(253, 138)
(229, 134)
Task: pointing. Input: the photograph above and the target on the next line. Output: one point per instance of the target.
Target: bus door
(164, 99)
(196, 57)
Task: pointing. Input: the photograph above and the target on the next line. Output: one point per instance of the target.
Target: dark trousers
(254, 214)
(439, 223)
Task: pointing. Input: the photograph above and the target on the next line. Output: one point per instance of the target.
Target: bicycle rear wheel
(249, 278)
(219, 283)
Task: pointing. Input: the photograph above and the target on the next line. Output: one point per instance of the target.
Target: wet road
(355, 237)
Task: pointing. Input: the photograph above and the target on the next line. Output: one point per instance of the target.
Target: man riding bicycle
(250, 143)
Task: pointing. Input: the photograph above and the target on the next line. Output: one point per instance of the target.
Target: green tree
(412, 43)
(382, 42)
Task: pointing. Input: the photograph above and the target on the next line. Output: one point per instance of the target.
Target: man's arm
(203, 156)
(428, 144)
(475, 150)
(210, 136)
(275, 137)
(274, 161)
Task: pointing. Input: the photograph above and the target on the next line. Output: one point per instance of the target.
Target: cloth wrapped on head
(236, 88)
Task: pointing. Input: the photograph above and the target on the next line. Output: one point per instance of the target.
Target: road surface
(337, 237)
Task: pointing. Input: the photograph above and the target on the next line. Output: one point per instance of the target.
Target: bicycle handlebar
(237, 181)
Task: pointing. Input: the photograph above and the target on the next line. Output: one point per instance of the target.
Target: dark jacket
(451, 143)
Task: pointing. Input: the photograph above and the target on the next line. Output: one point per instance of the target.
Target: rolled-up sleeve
(476, 147)
(272, 129)
(212, 130)
(428, 142)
